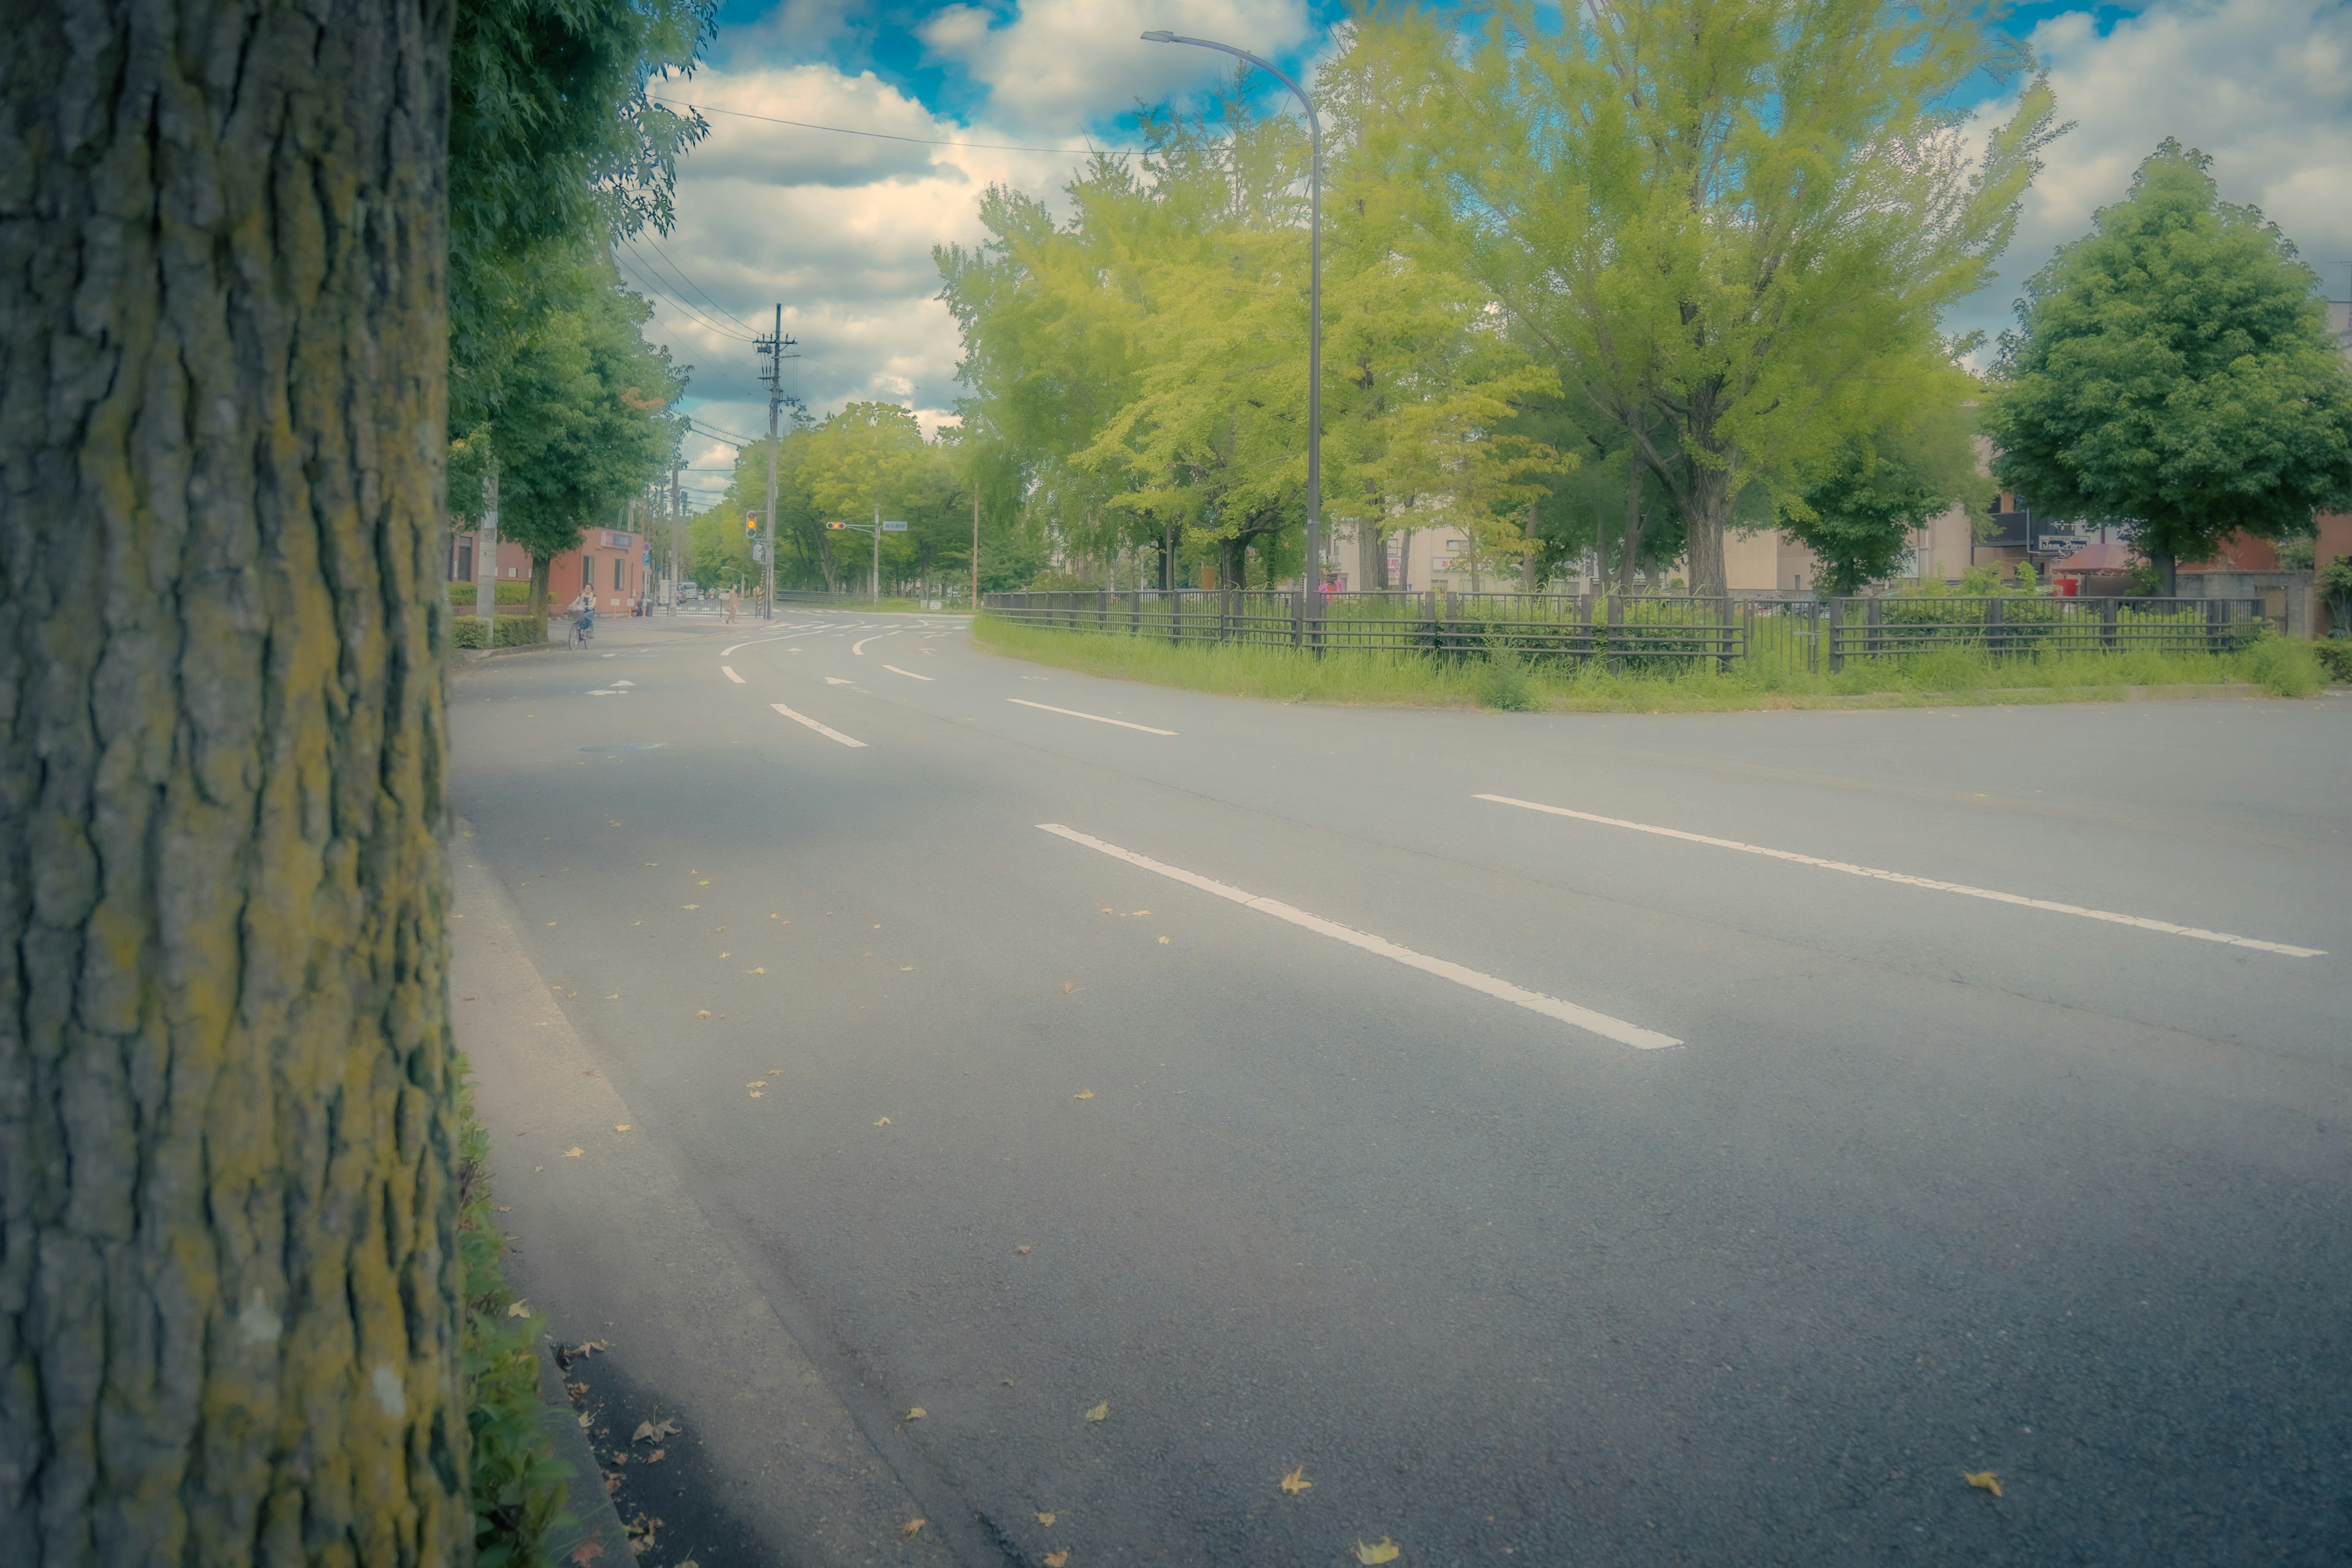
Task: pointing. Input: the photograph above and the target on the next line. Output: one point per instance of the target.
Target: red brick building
(609, 560)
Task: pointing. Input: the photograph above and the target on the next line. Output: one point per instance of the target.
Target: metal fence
(1638, 633)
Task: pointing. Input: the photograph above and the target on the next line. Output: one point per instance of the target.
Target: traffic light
(750, 524)
(836, 525)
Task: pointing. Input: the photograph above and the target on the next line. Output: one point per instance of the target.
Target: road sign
(894, 528)
(759, 551)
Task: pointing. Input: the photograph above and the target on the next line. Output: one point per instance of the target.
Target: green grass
(2277, 666)
(518, 1485)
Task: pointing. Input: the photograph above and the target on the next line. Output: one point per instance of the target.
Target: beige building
(1768, 560)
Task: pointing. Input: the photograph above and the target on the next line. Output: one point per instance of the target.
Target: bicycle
(583, 631)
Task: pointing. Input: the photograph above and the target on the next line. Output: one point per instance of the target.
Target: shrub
(514, 631)
(509, 593)
(1503, 683)
(2335, 656)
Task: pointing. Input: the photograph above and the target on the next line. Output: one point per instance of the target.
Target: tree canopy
(2172, 371)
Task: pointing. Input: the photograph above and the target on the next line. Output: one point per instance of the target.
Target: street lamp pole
(1313, 576)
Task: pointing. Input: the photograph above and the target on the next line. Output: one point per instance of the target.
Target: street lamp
(1313, 587)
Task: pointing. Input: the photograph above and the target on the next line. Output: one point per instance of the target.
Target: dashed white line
(756, 642)
(1585, 1018)
(2140, 921)
(1096, 717)
(828, 730)
(907, 673)
(729, 671)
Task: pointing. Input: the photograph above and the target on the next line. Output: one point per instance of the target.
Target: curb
(595, 1519)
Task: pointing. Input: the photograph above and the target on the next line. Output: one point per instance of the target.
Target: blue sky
(840, 229)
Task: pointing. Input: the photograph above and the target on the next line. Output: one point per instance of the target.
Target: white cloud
(839, 228)
(2264, 86)
(1060, 63)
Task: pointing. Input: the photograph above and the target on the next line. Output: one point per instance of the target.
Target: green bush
(509, 593)
(514, 631)
(2287, 668)
(1503, 683)
(2335, 657)
(517, 1483)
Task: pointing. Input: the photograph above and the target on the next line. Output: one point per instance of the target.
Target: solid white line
(2166, 927)
(907, 673)
(729, 670)
(828, 732)
(859, 647)
(757, 643)
(1096, 717)
(1600, 1024)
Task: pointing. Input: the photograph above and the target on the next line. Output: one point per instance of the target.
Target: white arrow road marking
(1585, 1018)
(1096, 717)
(607, 691)
(625, 683)
(2167, 927)
(828, 730)
(729, 670)
(907, 673)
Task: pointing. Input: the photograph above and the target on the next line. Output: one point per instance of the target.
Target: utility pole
(975, 547)
(773, 345)
(676, 529)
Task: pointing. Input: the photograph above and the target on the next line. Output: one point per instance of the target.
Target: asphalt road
(1374, 1177)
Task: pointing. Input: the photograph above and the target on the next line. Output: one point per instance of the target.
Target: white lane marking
(1096, 717)
(1600, 1024)
(2167, 927)
(859, 646)
(907, 673)
(792, 650)
(837, 680)
(729, 671)
(828, 730)
(758, 642)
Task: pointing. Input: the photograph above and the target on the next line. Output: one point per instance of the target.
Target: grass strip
(518, 1485)
(1503, 681)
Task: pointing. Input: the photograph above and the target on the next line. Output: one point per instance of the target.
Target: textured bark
(228, 1287)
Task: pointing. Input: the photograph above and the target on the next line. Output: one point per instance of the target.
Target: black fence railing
(1646, 632)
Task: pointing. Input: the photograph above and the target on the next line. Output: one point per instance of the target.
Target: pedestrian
(730, 606)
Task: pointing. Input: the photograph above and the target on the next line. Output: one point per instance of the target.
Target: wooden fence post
(1996, 639)
(2107, 624)
(1877, 615)
(1836, 629)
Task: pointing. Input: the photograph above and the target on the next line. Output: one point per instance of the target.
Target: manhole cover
(628, 746)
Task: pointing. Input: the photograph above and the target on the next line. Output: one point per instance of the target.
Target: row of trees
(556, 399)
(864, 460)
(1625, 278)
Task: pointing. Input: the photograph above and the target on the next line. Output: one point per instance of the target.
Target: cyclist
(583, 629)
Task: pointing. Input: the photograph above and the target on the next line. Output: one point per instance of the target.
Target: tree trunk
(2168, 573)
(1527, 569)
(229, 1287)
(1632, 523)
(537, 599)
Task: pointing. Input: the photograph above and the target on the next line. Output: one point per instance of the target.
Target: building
(612, 561)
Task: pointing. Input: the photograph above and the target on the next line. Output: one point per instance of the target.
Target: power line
(639, 267)
(886, 136)
(716, 434)
(680, 273)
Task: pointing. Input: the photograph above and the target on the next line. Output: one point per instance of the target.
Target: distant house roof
(2100, 555)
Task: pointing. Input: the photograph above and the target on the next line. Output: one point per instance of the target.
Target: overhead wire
(680, 273)
(637, 269)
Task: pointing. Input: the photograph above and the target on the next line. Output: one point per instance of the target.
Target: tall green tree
(2173, 372)
(1712, 217)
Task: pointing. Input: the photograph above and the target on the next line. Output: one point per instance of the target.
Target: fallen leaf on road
(623, 1126)
(1386, 1551)
(585, 1418)
(1022, 1250)
(1109, 912)
(1055, 1559)
(689, 905)
(1084, 1094)
(1047, 1520)
(762, 970)
(1295, 1481)
(465, 998)
(1100, 1412)
(726, 955)
(912, 1528)
(652, 1431)
(884, 1122)
(704, 883)
(755, 1094)
(917, 1414)
(616, 996)
(906, 969)
(587, 1551)
(656, 1456)
(1163, 941)
(702, 1012)
(574, 1152)
(1983, 1480)
(1139, 912)
(757, 1083)
(1068, 985)
(551, 922)
(517, 1309)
